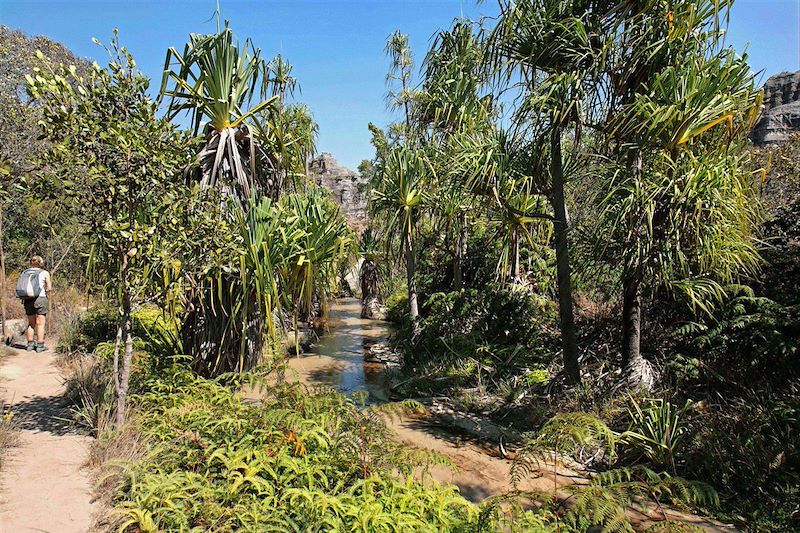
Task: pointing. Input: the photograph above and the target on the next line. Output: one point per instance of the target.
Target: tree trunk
(2, 278)
(569, 341)
(370, 307)
(513, 256)
(461, 252)
(413, 308)
(636, 370)
(631, 321)
(122, 375)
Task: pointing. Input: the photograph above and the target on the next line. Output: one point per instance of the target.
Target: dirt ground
(43, 485)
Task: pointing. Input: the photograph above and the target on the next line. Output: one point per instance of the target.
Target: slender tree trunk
(413, 308)
(513, 256)
(569, 341)
(635, 368)
(368, 275)
(122, 374)
(2, 278)
(461, 252)
(631, 321)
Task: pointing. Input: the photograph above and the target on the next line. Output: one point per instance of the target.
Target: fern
(564, 434)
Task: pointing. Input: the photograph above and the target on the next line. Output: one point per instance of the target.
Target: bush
(483, 324)
(88, 385)
(397, 306)
(86, 331)
(749, 448)
(99, 325)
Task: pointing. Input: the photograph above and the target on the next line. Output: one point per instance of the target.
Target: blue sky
(336, 46)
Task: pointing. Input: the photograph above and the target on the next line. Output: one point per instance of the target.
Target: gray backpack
(28, 287)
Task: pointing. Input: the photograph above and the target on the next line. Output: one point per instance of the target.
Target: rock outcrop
(781, 109)
(347, 187)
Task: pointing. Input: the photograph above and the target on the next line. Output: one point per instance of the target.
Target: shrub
(9, 432)
(657, 430)
(749, 448)
(89, 391)
(397, 306)
(483, 324)
(296, 461)
(86, 331)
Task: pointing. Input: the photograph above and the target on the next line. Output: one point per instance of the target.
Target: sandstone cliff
(347, 187)
(781, 110)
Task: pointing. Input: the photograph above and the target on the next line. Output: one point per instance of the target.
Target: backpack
(28, 287)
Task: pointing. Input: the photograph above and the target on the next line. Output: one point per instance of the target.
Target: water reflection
(338, 359)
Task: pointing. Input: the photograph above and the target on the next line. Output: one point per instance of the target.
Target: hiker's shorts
(37, 306)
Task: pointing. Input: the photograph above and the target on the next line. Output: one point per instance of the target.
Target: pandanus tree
(253, 144)
(309, 278)
(448, 103)
(496, 165)
(682, 201)
(369, 275)
(286, 138)
(402, 191)
(401, 66)
(552, 53)
(288, 256)
(221, 85)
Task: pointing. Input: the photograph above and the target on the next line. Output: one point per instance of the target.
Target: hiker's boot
(40, 347)
(31, 346)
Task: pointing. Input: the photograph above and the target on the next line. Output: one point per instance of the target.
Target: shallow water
(338, 359)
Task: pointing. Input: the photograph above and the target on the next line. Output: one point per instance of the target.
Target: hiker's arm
(48, 285)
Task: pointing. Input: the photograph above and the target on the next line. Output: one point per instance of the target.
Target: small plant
(657, 430)
(563, 435)
(91, 394)
(605, 500)
(9, 433)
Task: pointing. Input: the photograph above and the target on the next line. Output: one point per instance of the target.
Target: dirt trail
(482, 473)
(43, 486)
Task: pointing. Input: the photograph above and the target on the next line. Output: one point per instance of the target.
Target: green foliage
(396, 306)
(297, 460)
(39, 224)
(89, 329)
(748, 340)
(123, 186)
(749, 447)
(216, 80)
(285, 257)
(606, 499)
(564, 434)
(657, 430)
(91, 395)
(460, 323)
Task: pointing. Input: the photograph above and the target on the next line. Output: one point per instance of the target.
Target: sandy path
(43, 486)
(482, 473)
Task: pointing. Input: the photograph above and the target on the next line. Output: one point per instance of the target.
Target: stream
(337, 360)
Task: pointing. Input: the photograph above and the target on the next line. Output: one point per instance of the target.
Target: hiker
(32, 288)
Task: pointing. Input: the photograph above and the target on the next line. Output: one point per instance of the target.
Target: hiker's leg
(30, 328)
(40, 322)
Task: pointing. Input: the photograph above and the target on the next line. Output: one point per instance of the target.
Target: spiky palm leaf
(215, 81)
